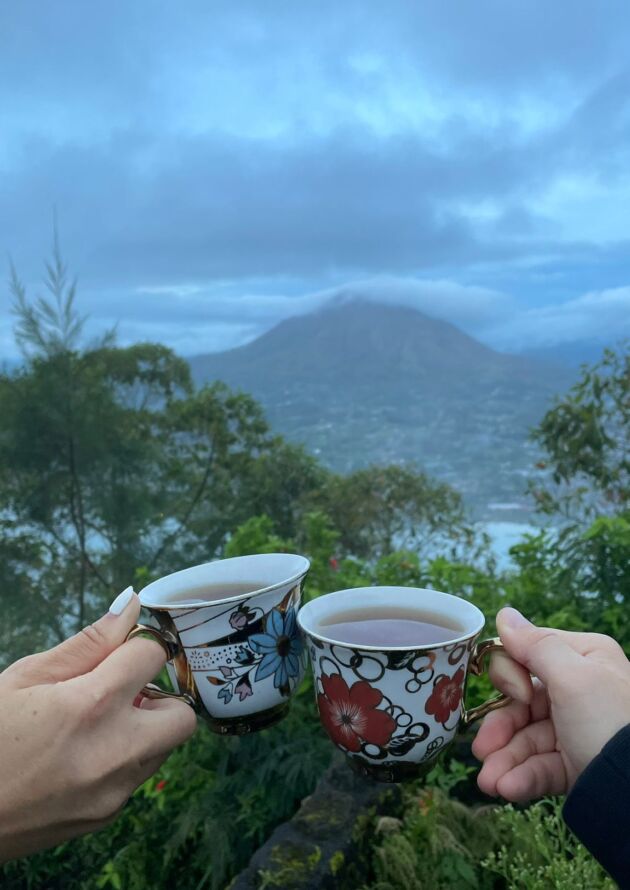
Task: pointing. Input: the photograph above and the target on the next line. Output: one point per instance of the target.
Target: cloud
(218, 207)
(192, 324)
(466, 306)
(218, 167)
(193, 318)
(601, 316)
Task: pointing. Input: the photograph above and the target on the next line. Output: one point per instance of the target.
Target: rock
(325, 845)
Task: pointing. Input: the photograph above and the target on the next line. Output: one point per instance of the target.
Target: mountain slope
(360, 382)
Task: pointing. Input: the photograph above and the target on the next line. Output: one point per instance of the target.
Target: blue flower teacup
(230, 632)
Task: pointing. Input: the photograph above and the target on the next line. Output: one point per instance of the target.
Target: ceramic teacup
(236, 659)
(393, 709)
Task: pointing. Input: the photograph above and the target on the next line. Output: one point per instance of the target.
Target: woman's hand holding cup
(73, 745)
(580, 698)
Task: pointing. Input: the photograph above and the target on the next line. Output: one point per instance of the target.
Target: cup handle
(477, 666)
(171, 645)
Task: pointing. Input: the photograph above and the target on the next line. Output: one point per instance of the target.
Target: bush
(539, 852)
(443, 845)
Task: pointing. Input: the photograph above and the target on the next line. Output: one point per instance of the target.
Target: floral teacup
(393, 709)
(236, 659)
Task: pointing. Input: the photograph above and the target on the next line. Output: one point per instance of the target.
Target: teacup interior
(448, 617)
(224, 580)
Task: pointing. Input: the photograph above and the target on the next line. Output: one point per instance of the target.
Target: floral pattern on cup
(280, 646)
(351, 715)
(362, 721)
(446, 696)
(276, 652)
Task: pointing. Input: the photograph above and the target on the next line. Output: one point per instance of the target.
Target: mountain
(572, 354)
(360, 382)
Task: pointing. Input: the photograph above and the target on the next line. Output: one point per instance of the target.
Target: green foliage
(28, 608)
(47, 326)
(579, 580)
(109, 460)
(440, 843)
(382, 509)
(585, 436)
(284, 483)
(447, 776)
(539, 852)
(256, 535)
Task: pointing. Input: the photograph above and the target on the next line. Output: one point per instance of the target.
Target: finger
(546, 653)
(155, 704)
(83, 652)
(535, 738)
(539, 707)
(150, 767)
(129, 668)
(163, 725)
(510, 677)
(500, 726)
(538, 776)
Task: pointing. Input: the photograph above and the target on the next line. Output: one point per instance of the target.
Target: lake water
(504, 535)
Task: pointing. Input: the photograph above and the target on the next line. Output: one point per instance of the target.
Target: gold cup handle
(476, 666)
(174, 652)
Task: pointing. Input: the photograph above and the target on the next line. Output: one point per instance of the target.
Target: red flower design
(350, 715)
(160, 785)
(446, 696)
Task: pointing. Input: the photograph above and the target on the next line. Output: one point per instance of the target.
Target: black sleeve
(597, 809)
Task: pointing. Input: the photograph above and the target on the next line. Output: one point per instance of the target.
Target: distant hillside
(360, 382)
(571, 354)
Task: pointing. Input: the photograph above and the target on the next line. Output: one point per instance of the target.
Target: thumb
(81, 653)
(544, 652)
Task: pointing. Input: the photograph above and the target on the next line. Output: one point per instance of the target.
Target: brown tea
(213, 592)
(390, 626)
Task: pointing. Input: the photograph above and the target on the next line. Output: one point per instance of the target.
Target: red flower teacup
(392, 709)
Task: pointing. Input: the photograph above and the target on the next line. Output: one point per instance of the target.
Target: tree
(111, 462)
(284, 483)
(578, 575)
(382, 509)
(47, 326)
(586, 438)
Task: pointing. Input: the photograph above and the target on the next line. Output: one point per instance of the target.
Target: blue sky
(218, 166)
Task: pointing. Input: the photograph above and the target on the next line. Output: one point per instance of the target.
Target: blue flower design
(244, 656)
(280, 647)
(226, 694)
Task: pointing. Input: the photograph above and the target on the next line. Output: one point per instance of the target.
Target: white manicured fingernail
(121, 602)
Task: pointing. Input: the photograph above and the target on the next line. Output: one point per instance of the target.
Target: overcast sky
(217, 166)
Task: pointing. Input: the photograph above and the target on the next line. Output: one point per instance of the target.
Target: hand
(72, 745)
(541, 742)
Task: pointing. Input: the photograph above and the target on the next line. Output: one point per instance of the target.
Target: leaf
(245, 657)
(215, 681)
